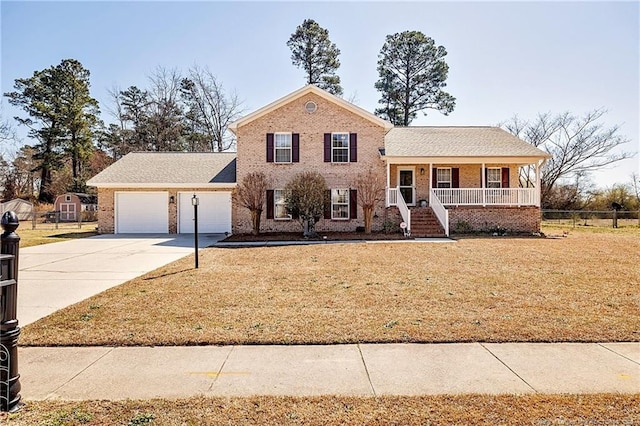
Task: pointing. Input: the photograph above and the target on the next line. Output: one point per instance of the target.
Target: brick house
(439, 179)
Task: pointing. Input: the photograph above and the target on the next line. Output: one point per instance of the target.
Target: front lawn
(582, 288)
(34, 237)
(335, 410)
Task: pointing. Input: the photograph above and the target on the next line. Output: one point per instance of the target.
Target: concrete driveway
(53, 276)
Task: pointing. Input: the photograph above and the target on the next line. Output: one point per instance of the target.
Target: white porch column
(388, 175)
(482, 185)
(431, 183)
(538, 183)
(388, 183)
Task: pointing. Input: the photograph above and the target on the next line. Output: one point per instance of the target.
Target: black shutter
(270, 205)
(434, 178)
(327, 147)
(269, 147)
(353, 204)
(455, 177)
(295, 148)
(505, 177)
(327, 204)
(353, 147)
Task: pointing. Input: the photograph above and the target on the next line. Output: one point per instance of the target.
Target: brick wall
(106, 212)
(293, 118)
(485, 219)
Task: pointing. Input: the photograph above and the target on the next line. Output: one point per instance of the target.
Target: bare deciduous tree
(7, 134)
(210, 110)
(164, 124)
(371, 190)
(251, 194)
(577, 145)
(635, 187)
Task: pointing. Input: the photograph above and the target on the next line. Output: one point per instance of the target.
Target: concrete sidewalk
(356, 369)
(54, 276)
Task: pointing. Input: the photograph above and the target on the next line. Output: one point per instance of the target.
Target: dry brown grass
(582, 288)
(34, 237)
(538, 410)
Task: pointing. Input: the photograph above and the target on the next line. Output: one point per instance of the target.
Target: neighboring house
(75, 206)
(439, 179)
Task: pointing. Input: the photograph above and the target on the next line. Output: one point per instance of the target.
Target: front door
(406, 185)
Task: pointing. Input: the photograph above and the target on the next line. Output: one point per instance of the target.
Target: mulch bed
(328, 236)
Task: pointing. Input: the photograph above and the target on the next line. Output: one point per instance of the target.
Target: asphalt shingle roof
(86, 198)
(169, 167)
(456, 142)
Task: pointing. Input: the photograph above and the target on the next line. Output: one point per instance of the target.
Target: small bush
(463, 227)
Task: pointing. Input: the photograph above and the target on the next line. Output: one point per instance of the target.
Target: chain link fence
(604, 219)
(52, 219)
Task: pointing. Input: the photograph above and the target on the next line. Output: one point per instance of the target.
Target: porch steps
(424, 223)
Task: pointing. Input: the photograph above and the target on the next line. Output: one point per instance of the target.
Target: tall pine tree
(61, 117)
(312, 51)
(412, 75)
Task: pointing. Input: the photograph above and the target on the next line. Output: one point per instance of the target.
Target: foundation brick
(486, 219)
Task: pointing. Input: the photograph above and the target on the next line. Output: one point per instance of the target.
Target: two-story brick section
(439, 179)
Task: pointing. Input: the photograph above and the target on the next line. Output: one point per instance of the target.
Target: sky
(505, 58)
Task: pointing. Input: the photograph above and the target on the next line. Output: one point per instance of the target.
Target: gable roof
(310, 88)
(472, 141)
(169, 169)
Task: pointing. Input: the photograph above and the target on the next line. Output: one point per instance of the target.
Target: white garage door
(142, 213)
(214, 212)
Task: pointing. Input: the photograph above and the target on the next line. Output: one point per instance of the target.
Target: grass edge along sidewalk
(533, 409)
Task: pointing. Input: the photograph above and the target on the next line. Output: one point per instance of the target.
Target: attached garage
(214, 212)
(141, 212)
(150, 192)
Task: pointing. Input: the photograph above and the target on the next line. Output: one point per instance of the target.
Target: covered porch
(442, 185)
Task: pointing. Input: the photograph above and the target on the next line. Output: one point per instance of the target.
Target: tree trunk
(255, 221)
(74, 165)
(309, 229)
(368, 218)
(44, 195)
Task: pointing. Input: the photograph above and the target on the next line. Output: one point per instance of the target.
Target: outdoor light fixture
(194, 202)
(422, 170)
(172, 200)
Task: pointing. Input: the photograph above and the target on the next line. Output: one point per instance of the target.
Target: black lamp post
(195, 201)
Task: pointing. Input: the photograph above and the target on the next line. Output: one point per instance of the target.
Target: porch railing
(395, 198)
(441, 213)
(487, 196)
